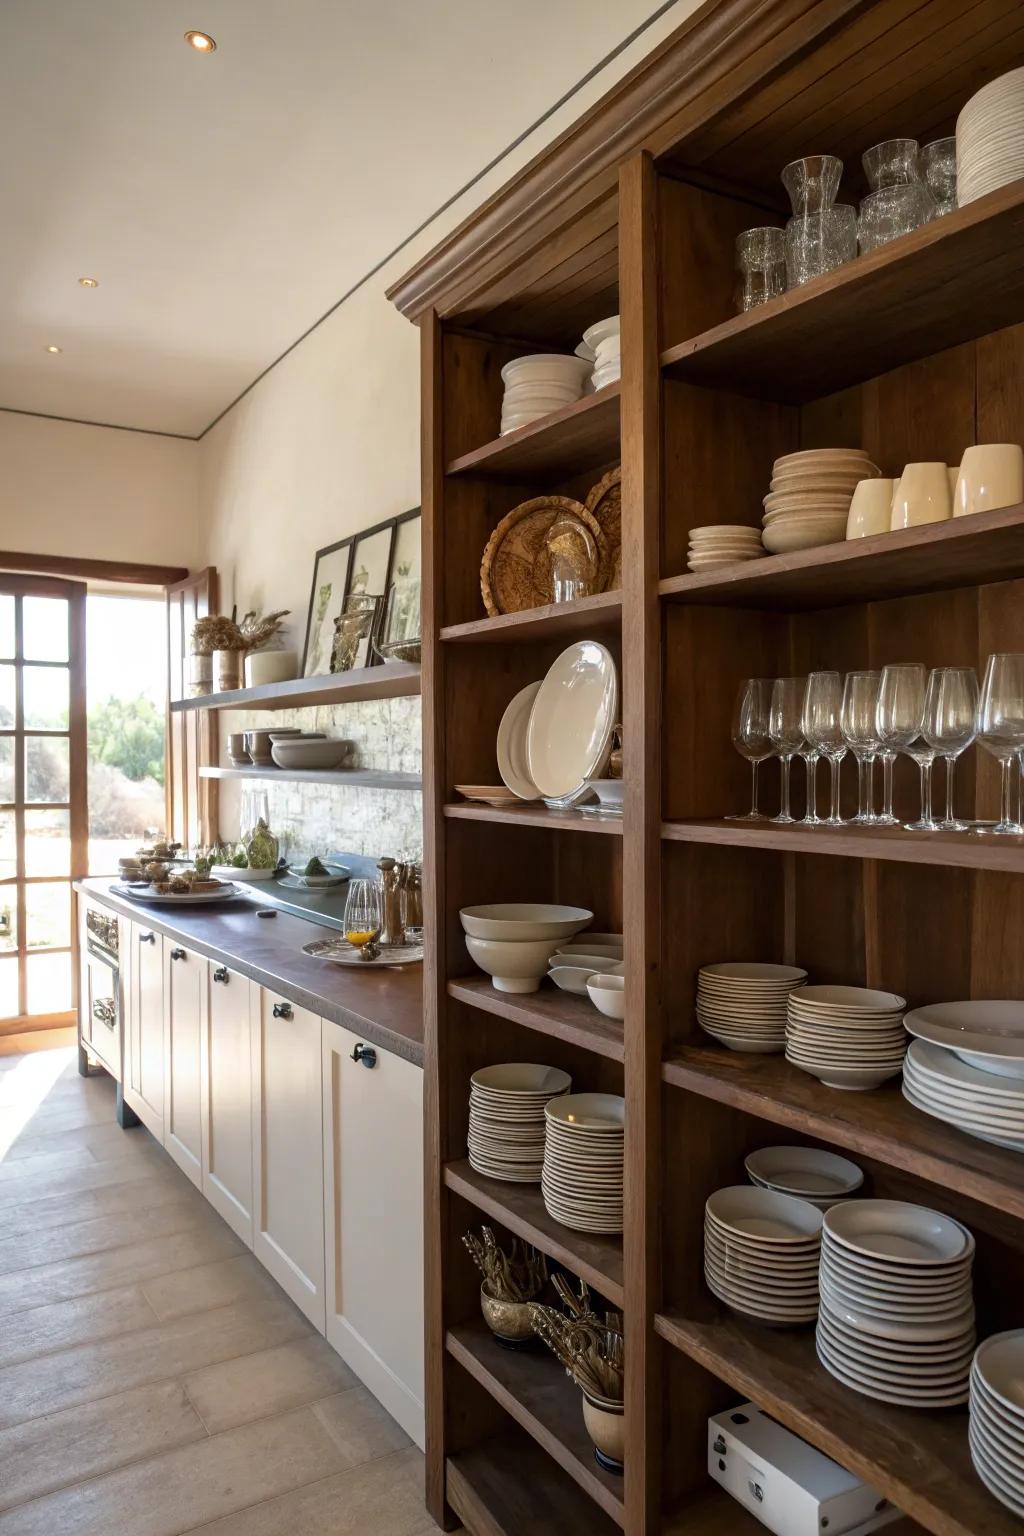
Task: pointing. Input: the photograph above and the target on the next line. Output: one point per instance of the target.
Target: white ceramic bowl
(763, 1216)
(520, 920)
(608, 995)
(608, 791)
(301, 753)
(513, 965)
(805, 1172)
(582, 947)
(571, 978)
(270, 667)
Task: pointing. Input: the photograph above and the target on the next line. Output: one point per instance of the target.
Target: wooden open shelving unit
(914, 352)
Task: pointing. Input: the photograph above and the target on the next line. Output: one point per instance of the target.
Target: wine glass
(901, 693)
(950, 725)
(363, 913)
(785, 730)
(821, 722)
(1001, 726)
(750, 734)
(858, 718)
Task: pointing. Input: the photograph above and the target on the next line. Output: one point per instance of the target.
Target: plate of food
(314, 873)
(178, 890)
(340, 952)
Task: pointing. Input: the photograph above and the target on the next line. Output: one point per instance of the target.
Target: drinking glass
(1001, 727)
(901, 693)
(785, 730)
(750, 734)
(363, 912)
(860, 732)
(950, 725)
(938, 166)
(823, 729)
(899, 200)
(761, 263)
(822, 234)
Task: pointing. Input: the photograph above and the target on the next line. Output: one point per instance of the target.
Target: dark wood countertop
(384, 1006)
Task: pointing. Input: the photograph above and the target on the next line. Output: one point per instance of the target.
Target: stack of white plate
(849, 1037)
(583, 1161)
(761, 1252)
(539, 384)
(506, 1118)
(723, 544)
(810, 497)
(601, 348)
(981, 1103)
(990, 138)
(742, 1003)
(997, 1417)
(897, 1310)
(806, 1173)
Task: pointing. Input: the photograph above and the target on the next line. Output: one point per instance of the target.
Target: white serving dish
(568, 738)
(806, 1172)
(607, 993)
(571, 978)
(303, 753)
(513, 965)
(522, 920)
(232, 872)
(202, 898)
(511, 744)
(336, 874)
(987, 1034)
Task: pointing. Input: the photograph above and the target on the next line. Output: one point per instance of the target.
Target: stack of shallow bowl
(997, 1417)
(506, 1118)
(513, 941)
(805, 1173)
(539, 384)
(743, 1003)
(990, 138)
(809, 500)
(723, 544)
(583, 1161)
(590, 954)
(966, 1066)
(761, 1252)
(601, 348)
(849, 1037)
(897, 1309)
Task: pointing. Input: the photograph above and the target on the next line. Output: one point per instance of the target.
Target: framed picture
(369, 574)
(407, 559)
(327, 594)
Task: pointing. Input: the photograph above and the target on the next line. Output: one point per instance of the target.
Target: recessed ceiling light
(52, 348)
(89, 282)
(202, 42)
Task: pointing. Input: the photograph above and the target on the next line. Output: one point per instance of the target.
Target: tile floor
(153, 1379)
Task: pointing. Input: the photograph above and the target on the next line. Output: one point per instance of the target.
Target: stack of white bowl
(809, 500)
(539, 384)
(897, 1309)
(997, 1417)
(513, 941)
(723, 544)
(743, 1003)
(990, 138)
(589, 954)
(583, 1161)
(806, 1173)
(601, 347)
(849, 1037)
(506, 1118)
(761, 1253)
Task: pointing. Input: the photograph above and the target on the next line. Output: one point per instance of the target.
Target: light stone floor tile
(100, 1234)
(40, 1161)
(218, 1284)
(68, 1182)
(101, 1141)
(162, 1185)
(82, 1320)
(272, 1381)
(360, 1428)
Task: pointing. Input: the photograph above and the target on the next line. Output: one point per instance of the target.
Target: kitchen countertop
(385, 1006)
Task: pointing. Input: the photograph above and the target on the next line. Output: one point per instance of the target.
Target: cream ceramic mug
(991, 475)
(870, 508)
(922, 496)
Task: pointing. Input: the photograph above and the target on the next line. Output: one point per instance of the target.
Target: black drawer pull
(178, 954)
(147, 938)
(221, 973)
(282, 1010)
(366, 1054)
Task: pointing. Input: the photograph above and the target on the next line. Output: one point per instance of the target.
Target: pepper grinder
(412, 902)
(392, 931)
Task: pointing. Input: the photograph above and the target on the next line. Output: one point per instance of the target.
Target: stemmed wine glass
(785, 731)
(1001, 727)
(858, 719)
(823, 730)
(901, 693)
(950, 725)
(750, 734)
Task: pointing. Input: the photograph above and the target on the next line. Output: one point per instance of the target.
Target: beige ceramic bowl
(608, 995)
(513, 965)
(519, 920)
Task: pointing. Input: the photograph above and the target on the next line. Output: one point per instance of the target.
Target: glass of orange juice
(363, 912)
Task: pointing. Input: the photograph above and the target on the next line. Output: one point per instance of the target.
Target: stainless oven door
(100, 1012)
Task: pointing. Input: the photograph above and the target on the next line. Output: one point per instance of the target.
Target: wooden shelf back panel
(550, 1012)
(397, 680)
(580, 436)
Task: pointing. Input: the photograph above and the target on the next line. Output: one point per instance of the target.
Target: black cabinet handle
(221, 973)
(147, 938)
(366, 1054)
(282, 1010)
(177, 954)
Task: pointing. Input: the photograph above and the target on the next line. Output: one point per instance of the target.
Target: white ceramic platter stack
(506, 1118)
(809, 499)
(997, 1417)
(761, 1253)
(806, 1173)
(723, 544)
(984, 1104)
(897, 1310)
(568, 735)
(601, 348)
(849, 1037)
(583, 1161)
(539, 384)
(990, 138)
(743, 1003)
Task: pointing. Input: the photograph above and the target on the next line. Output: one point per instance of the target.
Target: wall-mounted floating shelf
(354, 778)
(394, 680)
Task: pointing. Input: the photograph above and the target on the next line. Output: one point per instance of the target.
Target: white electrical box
(789, 1486)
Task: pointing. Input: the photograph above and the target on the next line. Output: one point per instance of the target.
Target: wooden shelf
(396, 680)
(507, 1486)
(963, 552)
(564, 1015)
(918, 1460)
(581, 436)
(948, 282)
(535, 816)
(955, 850)
(535, 1391)
(521, 1208)
(550, 622)
(880, 1124)
(348, 777)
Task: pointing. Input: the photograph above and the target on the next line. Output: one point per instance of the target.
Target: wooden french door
(44, 827)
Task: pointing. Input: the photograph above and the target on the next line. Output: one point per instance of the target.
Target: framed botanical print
(327, 594)
(406, 560)
(369, 575)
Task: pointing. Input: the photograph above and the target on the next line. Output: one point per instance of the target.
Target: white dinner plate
(570, 728)
(202, 898)
(511, 744)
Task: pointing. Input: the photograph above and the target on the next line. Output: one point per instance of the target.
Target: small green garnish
(314, 867)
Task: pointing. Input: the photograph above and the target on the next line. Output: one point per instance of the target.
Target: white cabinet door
(145, 1092)
(373, 1207)
(184, 986)
(227, 1095)
(288, 1235)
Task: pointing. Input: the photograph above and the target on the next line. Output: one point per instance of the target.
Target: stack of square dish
(897, 1309)
(966, 1066)
(990, 138)
(997, 1417)
(583, 1161)
(743, 1003)
(849, 1037)
(723, 544)
(810, 496)
(806, 1173)
(506, 1118)
(538, 384)
(761, 1252)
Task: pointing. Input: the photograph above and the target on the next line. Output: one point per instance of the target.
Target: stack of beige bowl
(506, 1118)
(583, 1161)
(761, 1252)
(810, 496)
(849, 1037)
(743, 1003)
(723, 544)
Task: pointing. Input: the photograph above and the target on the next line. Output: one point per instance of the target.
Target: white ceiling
(226, 202)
